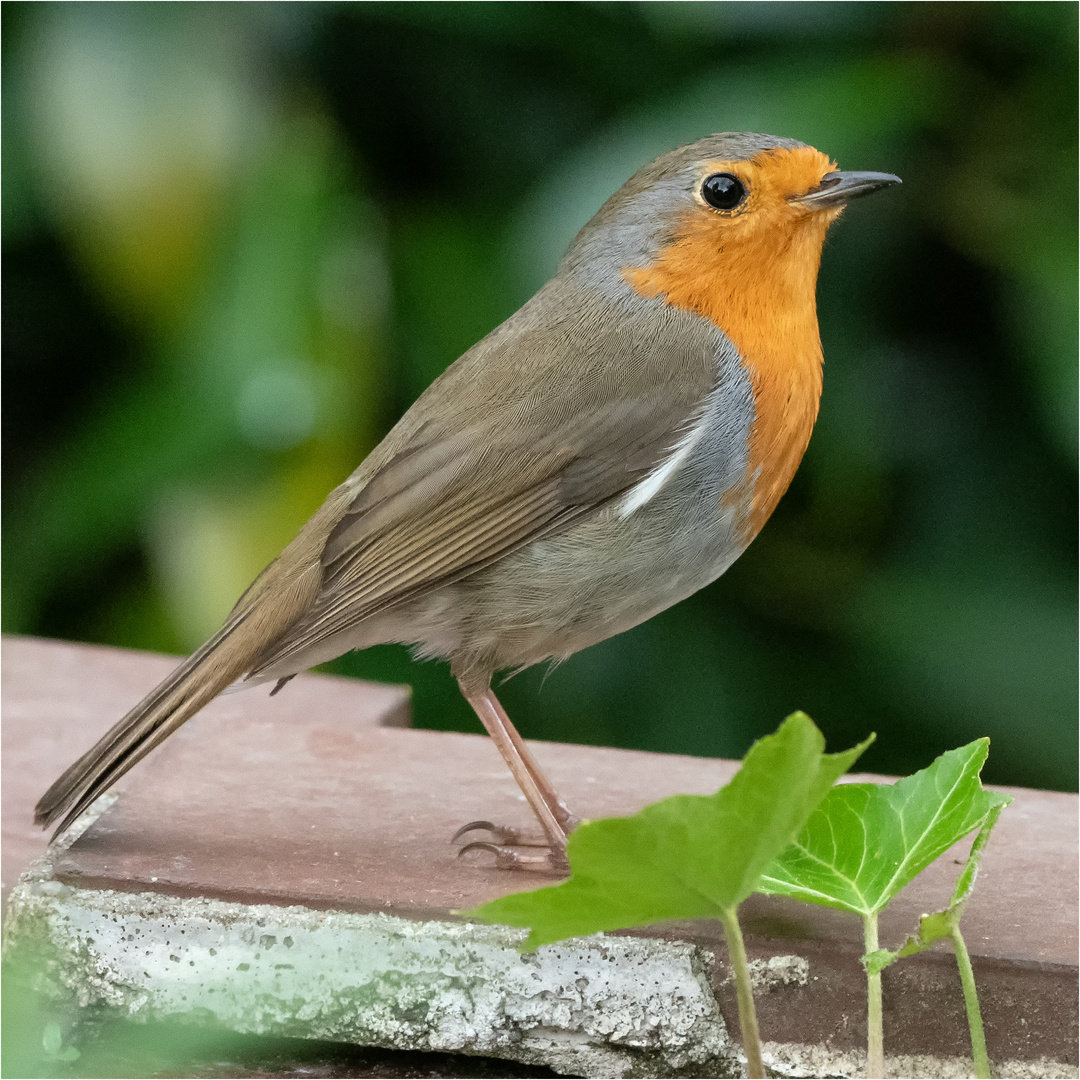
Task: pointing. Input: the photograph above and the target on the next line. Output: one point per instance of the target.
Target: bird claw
(506, 858)
(501, 834)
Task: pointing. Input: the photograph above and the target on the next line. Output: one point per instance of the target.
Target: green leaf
(966, 881)
(688, 856)
(940, 924)
(865, 842)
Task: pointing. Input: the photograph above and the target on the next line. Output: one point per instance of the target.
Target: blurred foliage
(239, 239)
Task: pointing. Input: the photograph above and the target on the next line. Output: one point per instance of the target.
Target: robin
(608, 450)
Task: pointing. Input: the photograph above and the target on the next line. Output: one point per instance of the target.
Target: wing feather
(489, 460)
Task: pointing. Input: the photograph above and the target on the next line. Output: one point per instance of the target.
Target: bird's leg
(566, 820)
(554, 817)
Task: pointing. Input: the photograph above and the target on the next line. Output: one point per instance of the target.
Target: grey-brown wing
(493, 463)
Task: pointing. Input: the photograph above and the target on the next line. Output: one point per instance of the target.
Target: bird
(608, 450)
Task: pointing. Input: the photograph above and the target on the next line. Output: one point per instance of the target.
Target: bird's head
(730, 220)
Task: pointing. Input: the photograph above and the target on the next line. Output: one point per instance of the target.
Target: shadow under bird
(608, 450)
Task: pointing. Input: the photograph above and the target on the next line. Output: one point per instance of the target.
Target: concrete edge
(602, 1006)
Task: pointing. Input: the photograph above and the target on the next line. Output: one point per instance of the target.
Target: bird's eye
(723, 191)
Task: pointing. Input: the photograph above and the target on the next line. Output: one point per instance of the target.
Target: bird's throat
(760, 291)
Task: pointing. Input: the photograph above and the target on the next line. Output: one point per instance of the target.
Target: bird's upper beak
(839, 188)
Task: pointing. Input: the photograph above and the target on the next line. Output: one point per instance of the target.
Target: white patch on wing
(648, 488)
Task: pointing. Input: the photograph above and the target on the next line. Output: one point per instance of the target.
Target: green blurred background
(240, 239)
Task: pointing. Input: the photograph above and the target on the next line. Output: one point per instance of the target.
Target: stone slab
(612, 1006)
(296, 805)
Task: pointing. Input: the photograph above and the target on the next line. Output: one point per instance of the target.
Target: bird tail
(265, 611)
(196, 682)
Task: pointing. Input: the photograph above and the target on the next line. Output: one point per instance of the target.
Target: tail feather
(263, 613)
(196, 682)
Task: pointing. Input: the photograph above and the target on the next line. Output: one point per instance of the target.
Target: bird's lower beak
(839, 188)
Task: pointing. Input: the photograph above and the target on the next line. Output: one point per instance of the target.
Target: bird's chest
(732, 465)
(786, 382)
(762, 301)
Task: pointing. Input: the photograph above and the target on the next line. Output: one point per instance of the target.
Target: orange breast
(757, 282)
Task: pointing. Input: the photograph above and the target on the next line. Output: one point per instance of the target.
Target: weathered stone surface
(604, 1006)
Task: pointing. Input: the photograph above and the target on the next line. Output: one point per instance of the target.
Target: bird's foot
(548, 861)
(502, 834)
(504, 844)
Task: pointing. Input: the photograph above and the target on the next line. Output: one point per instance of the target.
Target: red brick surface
(59, 698)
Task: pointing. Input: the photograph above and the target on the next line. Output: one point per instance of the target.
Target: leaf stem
(971, 1002)
(744, 992)
(875, 1039)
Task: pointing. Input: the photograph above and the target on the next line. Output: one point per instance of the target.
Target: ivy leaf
(939, 925)
(688, 856)
(865, 842)
(966, 881)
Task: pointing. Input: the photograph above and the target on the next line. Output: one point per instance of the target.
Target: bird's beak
(839, 188)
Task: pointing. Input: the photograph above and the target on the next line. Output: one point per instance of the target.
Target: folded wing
(521, 452)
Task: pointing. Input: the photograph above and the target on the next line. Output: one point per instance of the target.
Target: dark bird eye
(723, 191)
